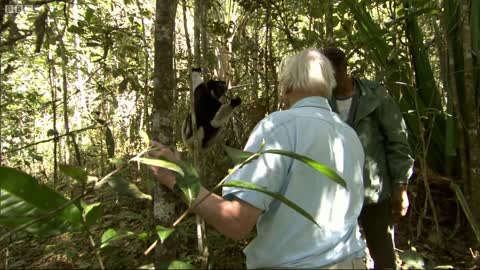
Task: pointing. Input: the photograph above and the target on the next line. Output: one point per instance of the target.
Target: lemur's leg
(187, 132)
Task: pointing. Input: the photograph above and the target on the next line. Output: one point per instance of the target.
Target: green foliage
(24, 199)
(92, 213)
(127, 188)
(412, 260)
(176, 265)
(74, 172)
(111, 235)
(163, 233)
(164, 163)
(189, 184)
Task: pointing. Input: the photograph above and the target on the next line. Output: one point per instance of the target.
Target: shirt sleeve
(269, 170)
(399, 154)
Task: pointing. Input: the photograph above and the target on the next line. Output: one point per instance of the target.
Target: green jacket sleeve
(398, 152)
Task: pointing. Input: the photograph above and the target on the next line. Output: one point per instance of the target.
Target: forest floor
(73, 250)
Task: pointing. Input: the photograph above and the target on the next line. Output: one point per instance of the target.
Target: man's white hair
(309, 72)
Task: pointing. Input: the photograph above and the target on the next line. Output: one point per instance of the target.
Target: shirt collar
(316, 101)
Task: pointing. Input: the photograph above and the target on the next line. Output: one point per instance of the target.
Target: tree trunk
(51, 76)
(197, 33)
(187, 34)
(162, 130)
(204, 33)
(471, 112)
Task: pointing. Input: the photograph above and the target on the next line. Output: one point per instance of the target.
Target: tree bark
(197, 52)
(162, 130)
(471, 111)
(187, 34)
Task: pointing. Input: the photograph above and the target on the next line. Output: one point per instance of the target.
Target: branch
(54, 138)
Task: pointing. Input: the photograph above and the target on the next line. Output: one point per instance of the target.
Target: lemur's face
(217, 88)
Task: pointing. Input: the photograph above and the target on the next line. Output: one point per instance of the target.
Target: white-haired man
(284, 238)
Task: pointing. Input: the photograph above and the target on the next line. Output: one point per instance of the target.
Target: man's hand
(400, 201)
(164, 176)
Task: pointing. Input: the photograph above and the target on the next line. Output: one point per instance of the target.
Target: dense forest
(86, 84)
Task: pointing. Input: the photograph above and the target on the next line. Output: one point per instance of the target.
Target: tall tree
(471, 108)
(162, 128)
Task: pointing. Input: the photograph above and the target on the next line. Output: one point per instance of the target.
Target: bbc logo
(18, 8)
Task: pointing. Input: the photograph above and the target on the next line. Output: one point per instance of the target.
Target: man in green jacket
(370, 110)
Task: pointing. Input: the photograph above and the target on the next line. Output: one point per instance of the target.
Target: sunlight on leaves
(160, 163)
(74, 172)
(147, 266)
(25, 192)
(145, 138)
(176, 265)
(412, 259)
(92, 212)
(189, 184)
(163, 233)
(127, 188)
(111, 235)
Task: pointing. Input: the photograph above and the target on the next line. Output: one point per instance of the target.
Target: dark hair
(336, 56)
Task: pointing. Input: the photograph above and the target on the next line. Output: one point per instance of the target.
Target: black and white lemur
(212, 110)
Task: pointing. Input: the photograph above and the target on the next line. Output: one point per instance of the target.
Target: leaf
(164, 163)
(116, 161)
(145, 138)
(163, 233)
(23, 198)
(52, 132)
(143, 236)
(15, 212)
(75, 29)
(127, 188)
(412, 260)
(316, 11)
(89, 15)
(108, 236)
(251, 186)
(74, 172)
(176, 265)
(110, 142)
(312, 163)
(147, 266)
(189, 184)
(237, 156)
(112, 235)
(91, 213)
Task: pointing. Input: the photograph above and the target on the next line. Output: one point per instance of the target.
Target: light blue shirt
(284, 237)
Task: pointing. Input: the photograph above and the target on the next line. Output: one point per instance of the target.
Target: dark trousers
(377, 224)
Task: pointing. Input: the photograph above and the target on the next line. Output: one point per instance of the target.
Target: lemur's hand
(164, 176)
